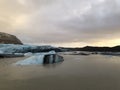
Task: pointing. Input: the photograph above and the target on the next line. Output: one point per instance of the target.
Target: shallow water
(94, 72)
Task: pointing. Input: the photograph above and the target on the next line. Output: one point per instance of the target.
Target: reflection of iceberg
(42, 58)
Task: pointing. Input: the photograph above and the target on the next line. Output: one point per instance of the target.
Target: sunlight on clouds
(111, 42)
(23, 2)
(20, 21)
(101, 43)
(70, 44)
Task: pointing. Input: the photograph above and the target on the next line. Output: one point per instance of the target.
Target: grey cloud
(62, 21)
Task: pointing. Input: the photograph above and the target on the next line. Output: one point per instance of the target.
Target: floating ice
(41, 58)
(28, 54)
(31, 60)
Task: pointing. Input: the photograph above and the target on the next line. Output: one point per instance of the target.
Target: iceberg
(31, 60)
(42, 58)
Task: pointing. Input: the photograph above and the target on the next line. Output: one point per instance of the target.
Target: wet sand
(94, 72)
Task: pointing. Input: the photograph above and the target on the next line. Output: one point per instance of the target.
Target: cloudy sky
(70, 23)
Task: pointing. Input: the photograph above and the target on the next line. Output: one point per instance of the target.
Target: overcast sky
(70, 23)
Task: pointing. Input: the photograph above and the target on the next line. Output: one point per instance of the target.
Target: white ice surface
(31, 61)
(34, 60)
(28, 54)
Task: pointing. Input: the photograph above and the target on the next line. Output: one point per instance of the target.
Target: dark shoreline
(94, 49)
(10, 55)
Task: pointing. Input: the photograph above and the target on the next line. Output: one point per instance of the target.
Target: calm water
(95, 72)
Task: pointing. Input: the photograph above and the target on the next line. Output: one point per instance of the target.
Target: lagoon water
(94, 72)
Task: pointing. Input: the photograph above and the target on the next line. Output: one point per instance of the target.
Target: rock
(8, 39)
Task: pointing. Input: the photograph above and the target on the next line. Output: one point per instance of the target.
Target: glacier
(12, 48)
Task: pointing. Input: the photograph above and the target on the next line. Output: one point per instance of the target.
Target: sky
(68, 23)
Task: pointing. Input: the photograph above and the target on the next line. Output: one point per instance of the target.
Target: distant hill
(8, 39)
(94, 49)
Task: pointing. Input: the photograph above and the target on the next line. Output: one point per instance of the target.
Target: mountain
(94, 49)
(9, 39)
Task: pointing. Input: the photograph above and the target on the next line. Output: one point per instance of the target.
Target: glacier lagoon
(77, 72)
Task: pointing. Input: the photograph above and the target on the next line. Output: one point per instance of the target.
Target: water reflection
(54, 65)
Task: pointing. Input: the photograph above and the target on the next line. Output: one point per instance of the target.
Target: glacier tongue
(1, 52)
(11, 48)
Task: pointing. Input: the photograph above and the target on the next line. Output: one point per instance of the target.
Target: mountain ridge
(6, 38)
(94, 49)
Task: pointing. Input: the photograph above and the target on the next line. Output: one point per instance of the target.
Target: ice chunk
(20, 54)
(42, 58)
(28, 54)
(52, 52)
(31, 61)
